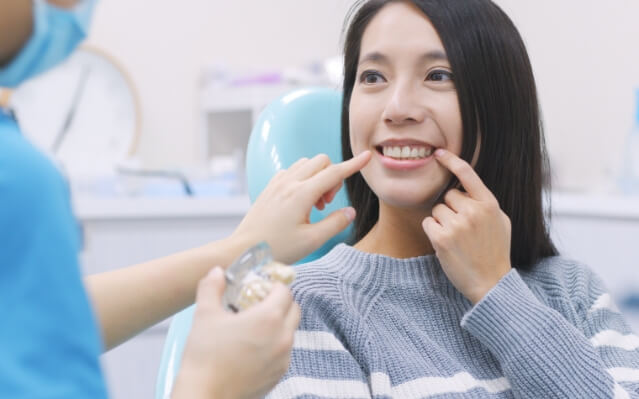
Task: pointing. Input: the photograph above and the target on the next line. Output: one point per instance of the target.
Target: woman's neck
(398, 233)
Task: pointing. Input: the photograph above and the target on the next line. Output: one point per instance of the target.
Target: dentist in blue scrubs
(54, 325)
(49, 343)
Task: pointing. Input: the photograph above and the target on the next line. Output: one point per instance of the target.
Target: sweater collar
(363, 267)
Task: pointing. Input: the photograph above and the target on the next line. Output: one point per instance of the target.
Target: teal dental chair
(303, 123)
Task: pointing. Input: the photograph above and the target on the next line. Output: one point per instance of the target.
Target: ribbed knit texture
(378, 327)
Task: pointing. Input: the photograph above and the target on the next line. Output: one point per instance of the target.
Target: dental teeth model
(250, 278)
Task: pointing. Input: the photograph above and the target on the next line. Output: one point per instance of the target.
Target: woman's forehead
(398, 28)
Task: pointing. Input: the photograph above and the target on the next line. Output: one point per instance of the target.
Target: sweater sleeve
(543, 355)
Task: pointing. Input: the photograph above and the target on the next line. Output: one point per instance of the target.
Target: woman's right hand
(280, 215)
(241, 355)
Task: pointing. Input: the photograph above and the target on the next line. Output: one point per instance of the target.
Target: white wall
(586, 61)
(164, 44)
(584, 53)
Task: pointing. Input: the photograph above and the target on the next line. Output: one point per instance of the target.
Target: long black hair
(497, 96)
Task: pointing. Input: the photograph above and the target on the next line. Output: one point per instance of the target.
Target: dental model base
(251, 278)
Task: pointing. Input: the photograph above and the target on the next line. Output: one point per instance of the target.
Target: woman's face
(403, 107)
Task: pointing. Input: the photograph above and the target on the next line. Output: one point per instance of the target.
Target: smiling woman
(452, 285)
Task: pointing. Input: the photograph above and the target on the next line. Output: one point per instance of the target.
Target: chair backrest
(303, 123)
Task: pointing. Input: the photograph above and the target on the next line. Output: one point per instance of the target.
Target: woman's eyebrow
(379, 58)
(435, 55)
(374, 57)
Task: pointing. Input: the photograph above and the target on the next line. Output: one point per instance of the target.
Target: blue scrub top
(49, 342)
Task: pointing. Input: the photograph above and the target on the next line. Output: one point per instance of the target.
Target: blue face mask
(56, 33)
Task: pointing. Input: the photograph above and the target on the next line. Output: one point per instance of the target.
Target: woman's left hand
(470, 233)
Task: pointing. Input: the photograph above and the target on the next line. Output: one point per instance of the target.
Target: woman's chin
(408, 199)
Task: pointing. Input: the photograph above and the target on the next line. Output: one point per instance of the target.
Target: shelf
(254, 98)
(87, 208)
(595, 206)
(91, 209)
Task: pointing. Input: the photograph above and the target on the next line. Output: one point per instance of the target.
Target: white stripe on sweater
(317, 341)
(604, 302)
(620, 393)
(297, 386)
(381, 384)
(615, 339)
(419, 388)
(623, 374)
(462, 382)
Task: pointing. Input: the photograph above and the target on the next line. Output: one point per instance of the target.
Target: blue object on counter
(631, 302)
(303, 123)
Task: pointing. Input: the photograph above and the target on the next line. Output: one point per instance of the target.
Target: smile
(406, 152)
(405, 157)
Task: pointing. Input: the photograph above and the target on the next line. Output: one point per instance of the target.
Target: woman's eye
(440, 76)
(371, 77)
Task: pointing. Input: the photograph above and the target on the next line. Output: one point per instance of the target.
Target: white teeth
(407, 152)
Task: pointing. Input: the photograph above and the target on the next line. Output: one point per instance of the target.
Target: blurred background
(151, 118)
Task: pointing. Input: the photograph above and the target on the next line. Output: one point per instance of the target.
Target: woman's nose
(403, 107)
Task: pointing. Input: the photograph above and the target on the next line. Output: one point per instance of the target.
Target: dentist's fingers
(312, 166)
(293, 317)
(328, 197)
(327, 179)
(297, 164)
(211, 291)
(279, 301)
(331, 225)
(466, 175)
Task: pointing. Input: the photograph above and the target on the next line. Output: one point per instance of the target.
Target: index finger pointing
(333, 175)
(465, 173)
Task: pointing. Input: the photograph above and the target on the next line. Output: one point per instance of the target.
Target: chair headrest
(303, 123)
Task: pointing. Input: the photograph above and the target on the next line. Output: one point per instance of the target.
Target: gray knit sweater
(380, 327)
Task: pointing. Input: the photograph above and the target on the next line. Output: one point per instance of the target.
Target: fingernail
(215, 271)
(349, 213)
(439, 152)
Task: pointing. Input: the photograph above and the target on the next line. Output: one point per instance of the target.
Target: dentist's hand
(470, 233)
(238, 356)
(280, 215)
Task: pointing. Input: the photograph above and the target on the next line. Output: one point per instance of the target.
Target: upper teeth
(407, 152)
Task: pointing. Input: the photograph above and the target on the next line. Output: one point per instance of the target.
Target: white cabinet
(603, 233)
(119, 233)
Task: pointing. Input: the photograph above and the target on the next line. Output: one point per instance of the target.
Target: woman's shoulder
(316, 278)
